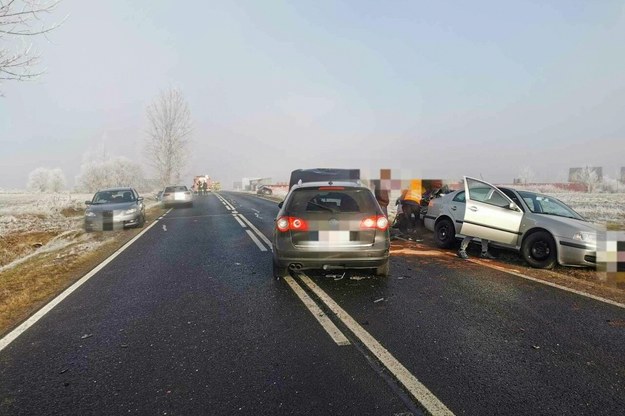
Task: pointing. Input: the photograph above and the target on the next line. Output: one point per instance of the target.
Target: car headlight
(130, 211)
(586, 237)
(90, 214)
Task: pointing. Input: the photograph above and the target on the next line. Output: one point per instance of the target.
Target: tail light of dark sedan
(379, 222)
(285, 224)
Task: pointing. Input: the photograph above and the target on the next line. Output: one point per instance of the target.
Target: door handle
(453, 208)
(472, 208)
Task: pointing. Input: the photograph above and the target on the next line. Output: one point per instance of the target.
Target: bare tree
(46, 180)
(526, 175)
(589, 177)
(100, 171)
(169, 135)
(19, 21)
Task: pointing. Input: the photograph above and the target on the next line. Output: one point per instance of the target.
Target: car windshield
(542, 204)
(113, 197)
(338, 200)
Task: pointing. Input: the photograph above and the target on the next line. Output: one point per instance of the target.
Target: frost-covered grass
(30, 212)
(596, 207)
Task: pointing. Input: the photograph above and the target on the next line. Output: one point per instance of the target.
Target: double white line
(303, 283)
(255, 234)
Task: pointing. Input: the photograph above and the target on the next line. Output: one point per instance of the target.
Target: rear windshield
(332, 200)
(176, 189)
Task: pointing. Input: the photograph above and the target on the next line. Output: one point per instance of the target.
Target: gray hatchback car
(330, 226)
(114, 208)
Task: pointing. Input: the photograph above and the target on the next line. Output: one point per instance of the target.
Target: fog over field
(436, 89)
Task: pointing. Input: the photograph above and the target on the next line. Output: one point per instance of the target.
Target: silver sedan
(543, 229)
(176, 196)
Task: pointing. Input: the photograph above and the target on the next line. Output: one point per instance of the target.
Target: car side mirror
(87, 202)
(140, 199)
(514, 207)
(281, 204)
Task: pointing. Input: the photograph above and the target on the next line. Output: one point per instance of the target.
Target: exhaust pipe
(295, 266)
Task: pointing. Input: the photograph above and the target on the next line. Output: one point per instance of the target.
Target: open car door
(489, 213)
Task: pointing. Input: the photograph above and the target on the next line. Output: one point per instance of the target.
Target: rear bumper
(334, 259)
(176, 202)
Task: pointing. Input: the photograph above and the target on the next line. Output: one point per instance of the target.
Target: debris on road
(536, 347)
(164, 227)
(86, 336)
(336, 276)
(378, 300)
(358, 277)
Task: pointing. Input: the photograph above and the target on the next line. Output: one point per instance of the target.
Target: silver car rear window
(331, 200)
(176, 189)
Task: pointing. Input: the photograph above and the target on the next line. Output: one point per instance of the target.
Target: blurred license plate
(334, 236)
(179, 196)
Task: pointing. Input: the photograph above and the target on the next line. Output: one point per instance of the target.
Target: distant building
(623, 174)
(575, 174)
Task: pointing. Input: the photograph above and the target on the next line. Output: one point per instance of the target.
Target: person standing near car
(462, 253)
(411, 202)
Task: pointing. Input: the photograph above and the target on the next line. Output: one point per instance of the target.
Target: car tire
(383, 270)
(539, 250)
(279, 271)
(445, 233)
(141, 221)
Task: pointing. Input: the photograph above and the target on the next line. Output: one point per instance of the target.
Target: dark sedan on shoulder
(113, 209)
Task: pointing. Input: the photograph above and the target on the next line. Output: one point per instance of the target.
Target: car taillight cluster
(379, 222)
(166, 194)
(285, 224)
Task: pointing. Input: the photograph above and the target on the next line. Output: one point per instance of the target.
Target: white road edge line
(239, 221)
(11, 336)
(257, 231)
(256, 240)
(316, 311)
(421, 393)
(557, 286)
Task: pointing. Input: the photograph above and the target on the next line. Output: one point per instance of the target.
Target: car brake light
(166, 194)
(331, 188)
(291, 223)
(379, 222)
(382, 222)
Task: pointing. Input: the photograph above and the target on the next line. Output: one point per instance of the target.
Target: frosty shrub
(46, 180)
(118, 171)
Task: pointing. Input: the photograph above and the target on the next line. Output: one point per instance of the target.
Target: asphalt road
(188, 320)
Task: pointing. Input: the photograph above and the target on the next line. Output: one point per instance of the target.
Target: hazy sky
(438, 88)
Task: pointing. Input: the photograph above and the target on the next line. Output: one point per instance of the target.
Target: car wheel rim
(442, 233)
(540, 250)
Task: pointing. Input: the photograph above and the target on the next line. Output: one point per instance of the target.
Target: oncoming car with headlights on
(114, 208)
(543, 229)
(330, 226)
